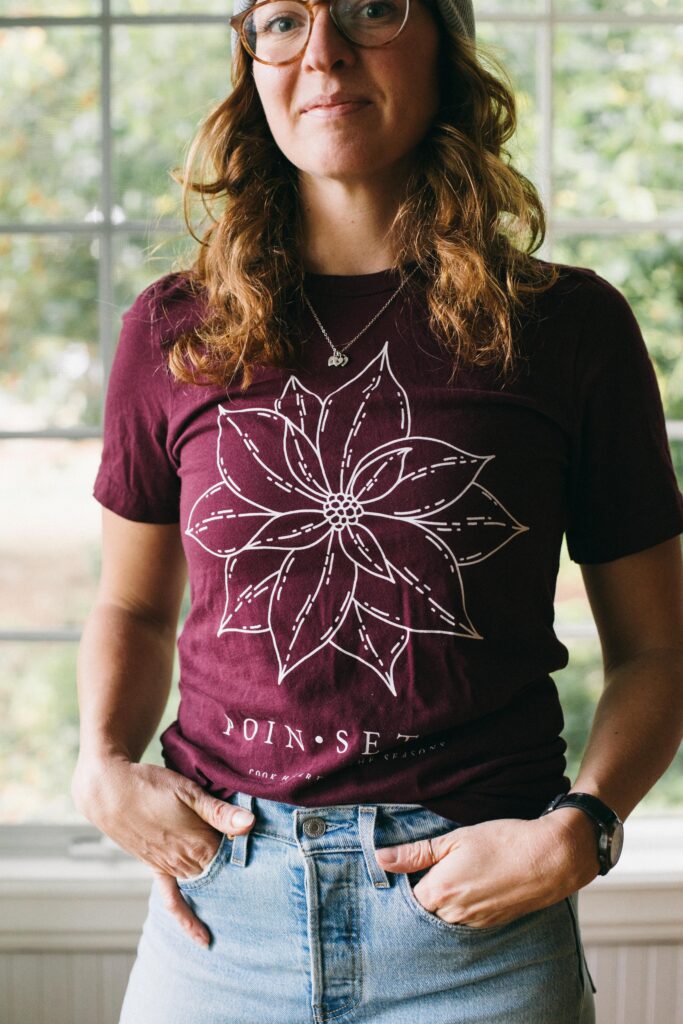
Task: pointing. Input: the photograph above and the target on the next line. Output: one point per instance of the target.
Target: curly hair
(468, 219)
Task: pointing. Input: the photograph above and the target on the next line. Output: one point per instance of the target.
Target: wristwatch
(610, 829)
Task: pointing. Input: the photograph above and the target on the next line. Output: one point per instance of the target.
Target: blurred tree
(617, 148)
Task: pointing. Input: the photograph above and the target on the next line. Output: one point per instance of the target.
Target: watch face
(617, 844)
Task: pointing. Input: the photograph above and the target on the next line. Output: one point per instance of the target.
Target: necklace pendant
(337, 359)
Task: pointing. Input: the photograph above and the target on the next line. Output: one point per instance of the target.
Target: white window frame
(106, 222)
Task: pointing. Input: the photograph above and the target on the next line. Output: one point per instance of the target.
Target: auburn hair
(468, 218)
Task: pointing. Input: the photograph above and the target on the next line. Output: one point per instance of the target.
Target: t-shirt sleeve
(137, 477)
(624, 496)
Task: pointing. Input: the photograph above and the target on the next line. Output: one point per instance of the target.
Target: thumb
(222, 816)
(407, 857)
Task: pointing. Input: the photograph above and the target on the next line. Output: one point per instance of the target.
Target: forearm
(636, 730)
(125, 665)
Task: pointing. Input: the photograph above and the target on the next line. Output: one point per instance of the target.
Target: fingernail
(243, 818)
(385, 855)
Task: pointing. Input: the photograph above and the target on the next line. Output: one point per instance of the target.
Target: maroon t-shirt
(373, 552)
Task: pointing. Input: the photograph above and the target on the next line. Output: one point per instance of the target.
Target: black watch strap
(609, 826)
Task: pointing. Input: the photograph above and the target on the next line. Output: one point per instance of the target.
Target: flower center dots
(342, 510)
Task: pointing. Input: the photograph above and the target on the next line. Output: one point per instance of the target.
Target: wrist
(573, 840)
(98, 753)
(576, 825)
(87, 781)
(604, 793)
(608, 827)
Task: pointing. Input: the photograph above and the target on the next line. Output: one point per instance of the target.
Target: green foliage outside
(618, 153)
(580, 686)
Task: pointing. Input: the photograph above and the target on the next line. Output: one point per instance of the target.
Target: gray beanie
(457, 14)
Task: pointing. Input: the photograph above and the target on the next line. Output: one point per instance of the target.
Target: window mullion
(40, 636)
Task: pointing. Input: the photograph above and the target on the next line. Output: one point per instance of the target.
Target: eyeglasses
(277, 31)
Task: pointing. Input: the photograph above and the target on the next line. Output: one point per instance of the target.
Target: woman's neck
(347, 227)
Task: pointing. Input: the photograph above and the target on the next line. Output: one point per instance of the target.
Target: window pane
(141, 259)
(38, 731)
(580, 686)
(508, 7)
(51, 130)
(629, 7)
(165, 80)
(618, 123)
(571, 603)
(572, 608)
(49, 542)
(50, 374)
(53, 8)
(518, 51)
(648, 269)
(142, 7)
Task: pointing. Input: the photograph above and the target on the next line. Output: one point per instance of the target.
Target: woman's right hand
(163, 819)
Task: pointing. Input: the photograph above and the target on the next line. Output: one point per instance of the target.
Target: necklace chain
(339, 357)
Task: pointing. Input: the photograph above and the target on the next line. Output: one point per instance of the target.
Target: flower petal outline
(269, 470)
(218, 523)
(418, 550)
(293, 616)
(458, 467)
(360, 546)
(379, 646)
(484, 516)
(347, 411)
(301, 407)
(292, 531)
(304, 462)
(247, 606)
(378, 471)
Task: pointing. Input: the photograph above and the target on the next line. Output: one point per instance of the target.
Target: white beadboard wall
(69, 926)
(63, 988)
(640, 984)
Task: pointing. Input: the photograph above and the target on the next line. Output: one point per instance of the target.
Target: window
(105, 96)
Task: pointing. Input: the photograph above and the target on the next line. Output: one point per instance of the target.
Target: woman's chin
(351, 169)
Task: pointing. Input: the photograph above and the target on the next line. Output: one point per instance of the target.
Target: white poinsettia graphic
(338, 526)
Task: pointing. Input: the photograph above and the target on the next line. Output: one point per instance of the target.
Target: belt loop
(239, 843)
(367, 817)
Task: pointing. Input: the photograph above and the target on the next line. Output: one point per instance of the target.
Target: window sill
(90, 895)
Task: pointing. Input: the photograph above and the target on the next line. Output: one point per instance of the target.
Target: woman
(363, 421)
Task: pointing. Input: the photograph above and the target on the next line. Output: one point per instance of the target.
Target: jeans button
(314, 827)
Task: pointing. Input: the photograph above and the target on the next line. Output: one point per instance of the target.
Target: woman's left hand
(491, 873)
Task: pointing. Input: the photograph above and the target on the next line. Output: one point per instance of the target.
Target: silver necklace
(339, 357)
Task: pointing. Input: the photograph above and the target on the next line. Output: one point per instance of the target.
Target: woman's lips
(337, 109)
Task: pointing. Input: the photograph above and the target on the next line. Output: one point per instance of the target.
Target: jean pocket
(406, 883)
(208, 870)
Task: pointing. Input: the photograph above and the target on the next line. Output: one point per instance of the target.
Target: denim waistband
(338, 827)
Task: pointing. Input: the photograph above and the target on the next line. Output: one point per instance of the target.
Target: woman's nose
(326, 45)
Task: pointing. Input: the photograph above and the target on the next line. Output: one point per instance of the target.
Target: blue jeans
(307, 927)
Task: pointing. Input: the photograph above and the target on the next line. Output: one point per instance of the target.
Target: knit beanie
(457, 14)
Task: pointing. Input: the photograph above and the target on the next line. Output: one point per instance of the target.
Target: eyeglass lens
(277, 30)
